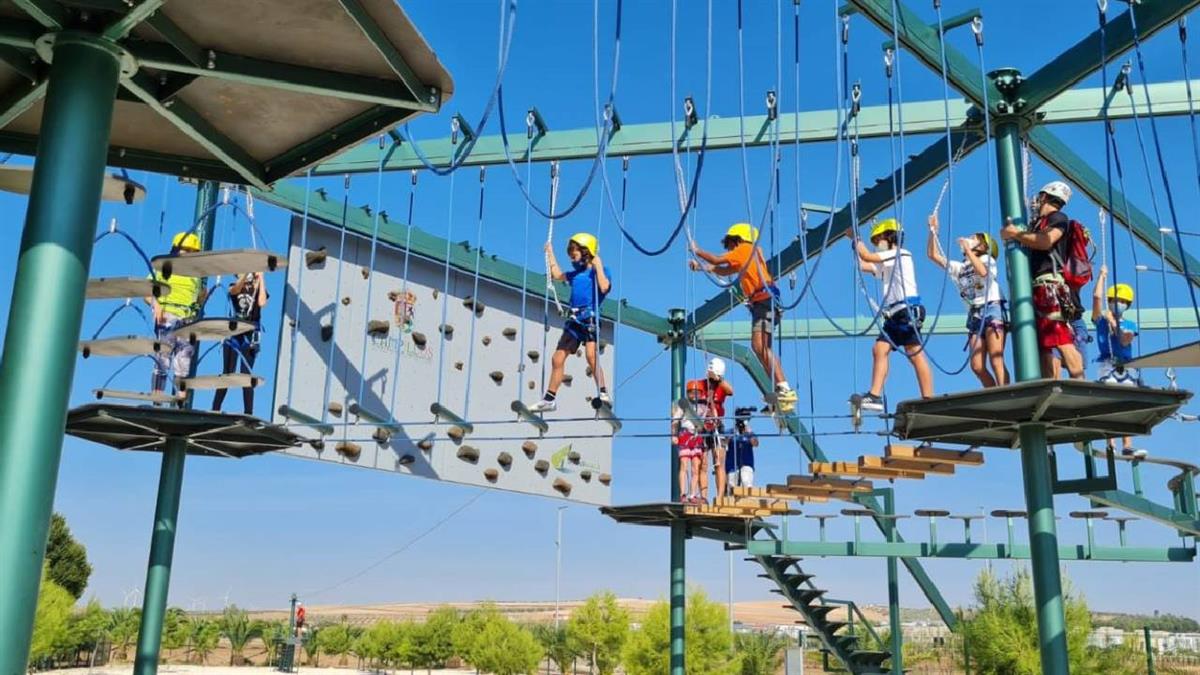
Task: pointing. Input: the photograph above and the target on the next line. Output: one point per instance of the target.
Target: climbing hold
(487, 340)
(458, 365)
(346, 301)
(473, 305)
(532, 385)
(586, 475)
(366, 272)
(496, 376)
(426, 444)
(504, 459)
(510, 333)
(381, 435)
(541, 466)
(456, 434)
(533, 355)
(378, 327)
(335, 408)
(562, 486)
(350, 451)
(573, 456)
(317, 444)
(447, 330)
(568, 379)
(491, 475)
(405, 460)
(606, 478)
(314, 258)
(530, 449)
(419, 339)
(326, 333)
(435, 294)
(468, 453)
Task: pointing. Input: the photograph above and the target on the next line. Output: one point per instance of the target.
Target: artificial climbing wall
(381, 347)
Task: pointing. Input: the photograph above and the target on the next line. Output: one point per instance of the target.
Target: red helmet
(694, 387)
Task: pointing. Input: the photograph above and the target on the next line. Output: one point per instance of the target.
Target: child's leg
(249, 354)
(760, 342)
(702, 470)
(921, 365)
(995, 349)
(694, 464)
(594, 363)
(683, 475)
(1072, 360)
(719, 461)
(228, 365)
(978, 366)
(557, 366)
(1050, 363)
(879, 368)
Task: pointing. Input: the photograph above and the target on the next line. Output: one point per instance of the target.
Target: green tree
(67, 558)
(85, 630)
(123, 624)
(505, 648)
(403, 651)
(272, 634)
(706, 629)
(760, 652)
(239, 630)
(467, 635)
(51, 619)
(338, 639)
(434, 639)
(312, 644)
(557, 643)
(600, 628)
(203, 637)
(175, 630)
(377, 644)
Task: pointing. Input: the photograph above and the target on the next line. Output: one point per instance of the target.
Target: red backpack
(1077, 268)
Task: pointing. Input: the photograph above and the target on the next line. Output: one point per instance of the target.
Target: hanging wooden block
(468, 453)
(497, 376)
(504, 459)
(491, 474)
(529, 448)
(314, 258)
(335, 408)
(419, 340)
(562, 486)
(541, 466)
(379, 328)
(510, 333)
(350, 451)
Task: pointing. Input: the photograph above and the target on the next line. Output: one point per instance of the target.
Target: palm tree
(203, 636)
(272, 634)
(761, 652)
(237, 627)
(123, 623)
(312, 646)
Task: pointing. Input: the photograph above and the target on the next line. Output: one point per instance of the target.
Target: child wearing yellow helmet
(978, 280)
(744, 259)
(590, 283)
(902, 310)
(181, 304)
(1115, 332)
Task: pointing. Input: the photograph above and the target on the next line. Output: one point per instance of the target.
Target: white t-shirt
(974, 290)
(684, 421)
(897, 285)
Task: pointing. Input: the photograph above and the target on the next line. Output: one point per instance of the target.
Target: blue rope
(362, 362)
(117, 311)
(524, 273)
(475, 294)
(337, 301)
(742, 116)
(1101, 8)
(131, 361)
(412, 194)
(134, 244)
(299, 288)
(445, 290)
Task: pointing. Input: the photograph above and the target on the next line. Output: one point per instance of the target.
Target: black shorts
(574, 334)
(713, 436)
(763, 316)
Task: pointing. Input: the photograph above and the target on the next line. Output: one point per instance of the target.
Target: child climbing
(715, 389)
(902, 310)
(1050, 245)
(590, 283)
(744, 258)
(739, 461)
(690, 443)
(247, 296)
(1115, 333)
(978, 282)
(181, 304)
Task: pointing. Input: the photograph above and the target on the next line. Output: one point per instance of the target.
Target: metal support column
(44, 318)
(170, 487)
(1035, 459)
(893, 582)
(678, 528)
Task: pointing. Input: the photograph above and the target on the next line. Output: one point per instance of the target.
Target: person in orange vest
(744, 259)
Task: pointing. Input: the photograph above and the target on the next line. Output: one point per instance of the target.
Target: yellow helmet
(889, 225)
(744, 231)
(186, 240)
(586, 241)
(990, 242)
(1122, 292)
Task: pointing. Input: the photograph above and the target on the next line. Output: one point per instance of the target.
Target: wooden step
(765, 493)
(799, 492)
(850, 469)
(752, 502)
(123, 395)
(210, 329)
(125, 345)
(912, 452)
(897, 464)
(116, 288)
(853, 485)
(217, 263)
(226, 381)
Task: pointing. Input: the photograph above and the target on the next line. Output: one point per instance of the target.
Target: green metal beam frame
(290, 196)
(364, 125)
(121, 28)
(960, 550)
(395, 60)
(24, 62)
(207, 169)
(1119, 499)
(188, 48)
(45, 12)
(20, 99)
(808, 444)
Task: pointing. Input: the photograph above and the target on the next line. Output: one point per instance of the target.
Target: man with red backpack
(1060, 265)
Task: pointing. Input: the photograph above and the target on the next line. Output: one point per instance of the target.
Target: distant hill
(1165, 622)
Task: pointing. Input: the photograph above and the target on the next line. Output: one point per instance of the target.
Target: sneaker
(869, 401)
(544, 406)
(605, 398)
(1136, 453)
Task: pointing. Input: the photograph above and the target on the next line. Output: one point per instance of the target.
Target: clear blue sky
(256, 530)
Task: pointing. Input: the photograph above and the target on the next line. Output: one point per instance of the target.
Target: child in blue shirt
(590, 283)
(739, 460)
(1115, 333)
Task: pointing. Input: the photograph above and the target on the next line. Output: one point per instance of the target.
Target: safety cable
(402, 304)
(337, 294)
(362, 363)
(442, 327)
(477, 305)
(299, 288)
(525, 271)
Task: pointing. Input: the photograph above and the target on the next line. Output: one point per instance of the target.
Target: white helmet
(716, 367)
(1057, 189)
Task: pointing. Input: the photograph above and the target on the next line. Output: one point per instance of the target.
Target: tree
(123, 624)
(338, 639)
(272, 634)
(403, 651)
(51, 618)
(85, 630)
(467, 635)
(760, 652)
(706, 629)
(505, 648)
(557, 644)
(67, 558)
(175, 630)
(203, 637)
(378, 643)
(312, 644)
(434, 639)
(238, 629)
(600, 627)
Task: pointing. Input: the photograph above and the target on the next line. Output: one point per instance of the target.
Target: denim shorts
(903, 329)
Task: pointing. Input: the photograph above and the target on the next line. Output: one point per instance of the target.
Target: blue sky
(254, 531)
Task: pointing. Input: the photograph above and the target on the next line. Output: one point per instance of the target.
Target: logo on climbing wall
(566, 456)
(404, 309)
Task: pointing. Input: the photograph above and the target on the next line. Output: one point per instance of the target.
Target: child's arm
(262, 290)
(718, 265)
(1098, 295)
(556, 272)
(705, 255)
(980, 268)
(933, 247)
(725, 385)
(602, 281)
(1127, 337)
(864, 254)
(753, 439)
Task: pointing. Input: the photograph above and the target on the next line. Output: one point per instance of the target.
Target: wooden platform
(125, 345)
(701, 520)
(120, 288)
(146, 397)
(231, 262)
(211, 329)
(225, 381)
(115, 188)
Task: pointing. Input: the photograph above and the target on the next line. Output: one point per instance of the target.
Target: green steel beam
(192, 124)
(20, 34)
(290, 196)
(132, 158)
(24, 62)
(370, 122)
(1077, 62)
(958, 550)
(808, 444)
(395, 60)
(1065, 160)
(1118, 499)
(1149, 319)
(45, 12)
(121, 28)
(920, 169)
(188, 48)
(21, 98)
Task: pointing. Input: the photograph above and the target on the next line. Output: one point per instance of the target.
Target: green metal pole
(170, 488)
(1149, 651)
(677, 317)
(1035, 459)
(893, 582)
(45, 316)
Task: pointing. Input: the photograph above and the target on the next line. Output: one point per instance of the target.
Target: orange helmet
(695, 387)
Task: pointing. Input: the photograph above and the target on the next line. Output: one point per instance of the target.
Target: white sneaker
(1136, 453)
(544, 406)
(605, 399)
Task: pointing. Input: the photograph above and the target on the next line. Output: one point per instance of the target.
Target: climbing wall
(414, 357)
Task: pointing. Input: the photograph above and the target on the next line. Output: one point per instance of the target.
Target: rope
(412, 195)
(362, 363)
(475, 293)
(299, 289)
(550, 287)
(1102, 12)
(525, 269)
(445, 291)
(337, 294)
(112, 229)
(128, 304)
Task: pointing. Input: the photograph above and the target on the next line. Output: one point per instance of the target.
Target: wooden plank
(772, 494)
(218, 263)
(752, 502)
(855, 485)
(972, 457)
(849, 469)
(712, 512)
(793, 492)
(914, 465)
